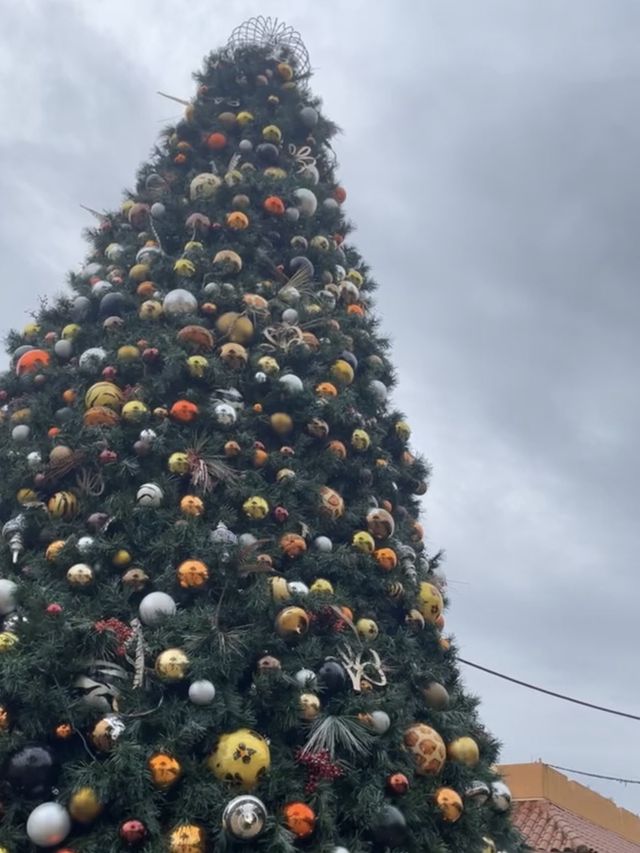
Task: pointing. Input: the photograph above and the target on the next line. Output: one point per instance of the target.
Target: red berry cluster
(122, 632)
(320, 767)
(329, 620)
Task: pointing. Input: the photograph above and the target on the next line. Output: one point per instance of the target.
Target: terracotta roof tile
(551, 829)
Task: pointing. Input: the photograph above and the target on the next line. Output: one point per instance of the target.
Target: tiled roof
(547, 828)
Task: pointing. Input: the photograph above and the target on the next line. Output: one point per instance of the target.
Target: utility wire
(550, 692)
(595, 775)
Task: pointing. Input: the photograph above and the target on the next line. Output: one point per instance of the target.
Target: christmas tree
(221, 628)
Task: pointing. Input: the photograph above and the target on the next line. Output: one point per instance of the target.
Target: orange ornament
(259, 457)
(257, 408)
(232, 448)
(300, 819)
(386, 558)
(237, 220)
(292, 545)
(274, 205)
(337, 448)
(32, 361)
(192, 505)
(196, 336)
(100, 416)
(326, 389)
(69, 396)
(184, 411)
(146, 289)
(192, 574)
(347, 613)
(358, 310)
(165, 770)
(216, 141)
(63, 731)
(340, 194)
(180, 159)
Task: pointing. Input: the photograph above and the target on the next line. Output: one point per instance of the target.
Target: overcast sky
(490, 153)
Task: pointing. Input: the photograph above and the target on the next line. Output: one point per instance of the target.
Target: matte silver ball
(306, 201)
(91, 269)
(311, 173)
(290, 316)
(156, 607)
(291, 383)
(379, 390)
(246, 540)
(80, 308)
(48, 824)
(92, 360)
(21, 432)
(63, 349)
(323, 544)
(292, 214)
(245, 146)
(380, 721)
(298, 588)
(101, 288)
(8, 591)
(179, 302)
(330, 204)
(158, 210)
(306, 678)
(202, 692)
(34, 460)
(309, 117)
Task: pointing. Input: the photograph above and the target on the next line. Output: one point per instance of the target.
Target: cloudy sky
(490, 153)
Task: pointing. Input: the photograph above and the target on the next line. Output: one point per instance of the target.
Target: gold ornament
(272, 133)
(121, 558)
(104, 394)
(450, 804)
(464, 750)
(4, 719)
(367, 629)
(84, 805)
(172, 665)
(62, 505)
(403, 430)
(292, 623)
(106, 732)
(489, 845)
(54, 549)
(321, 586)
(279, 589)
(309, 705)
(165, 770)
(7, 641)
(255, 507)
(187, 838)
(244, 117)
(197, 366)
(431, 603)
(427, 748)
(128, 352)
(241, 757)
(179, 463)
(341, 372)
(281, 423)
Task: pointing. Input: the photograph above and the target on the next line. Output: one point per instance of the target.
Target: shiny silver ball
(244, 817)
(224, 414)
(500, 796)
(260, 377)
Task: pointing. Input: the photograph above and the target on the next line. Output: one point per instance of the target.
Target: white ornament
(150, 494)
(86, 544)
(114, 252)
(298, 588)
(204, 185)
(48, 824)
(21, 432)
(260, 377)
(158, 210)
(34, 460)
(380, 722)
(91, 360)
(292, 214)
(311, 173)
(246, 540)
(306, 678)
(202, 692)
(148, 435)
(155, 607)
(306, 201)
(500, 796)
(7, 596)
(292, 383)
(63, 349)
(290, 316)
(379, 390)
(179, 302)
(323, 544)
(224, 414)
(290, 295)
(101, 288)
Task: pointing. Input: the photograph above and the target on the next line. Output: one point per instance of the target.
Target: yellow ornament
(235, 327)
(450, 804)
(193, 245)
(179, 463)
(134, 411)
(281, 423)
(355, 277)
(364, 542)
(464, 750)
(21, 416)
(104, 394)
(172, 665)
(342, 372)
(427, 748)
(403, 430)
(321, 586)
(272, 133)
(31, 331)
(150, 309)
(186, 838)
(367, 629)
(84, 805)
(126, 206)
(184, 267)
(121, 558)
(255, 507)
(309, 706)
(275, 173)
(128, 352)
(292, 623)
(268, 365)
(139, 272)
(197, 366)
(165, 770)
(360, 440)
(233, 178)
(62, 505)
(241, 757)
(244, 117)
(285, 71)
(489, 845)
(279, 589)
(7, 641)
(26, 496)
(431, 604)
(70, 331)
(54, 549)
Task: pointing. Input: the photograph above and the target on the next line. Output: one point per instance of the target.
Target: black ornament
(390, 827)
(113, 305)
(32, 770)
(268, 153)
(301, 263)
(332, 677)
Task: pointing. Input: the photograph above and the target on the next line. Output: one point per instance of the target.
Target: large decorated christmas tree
(221, 628)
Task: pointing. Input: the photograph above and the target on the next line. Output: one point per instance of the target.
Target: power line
(550, 692)
(595, 775)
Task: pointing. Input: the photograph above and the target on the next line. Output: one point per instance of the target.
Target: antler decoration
(364, 668)
(282, 336)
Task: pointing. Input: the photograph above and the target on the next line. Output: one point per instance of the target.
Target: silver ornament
(147, 254)
(21, 432)
(246, 540)
(500, 796)
(323, 544)
(179, 302)
(309, 117)
(86, 545)
(80, 308)
(306, 678)
(380, 722)
(292, 214)
(306, 201)
(298, 588)
(245, 146)
(63, 349)
(92, 360)
(34, 460)
(224, 414)
(48, 824)
(156, 607)
(260, 377)
(244, 817)
(330, 204)
(114, 252)
(158, 210)
(223, 536)
(378, 390)
(202, 692)
(290, 316)
(478, 792)
(8, 591)
(91, 269)
(101, 288)
(149, 494)
(291, 383)
(311, 173)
